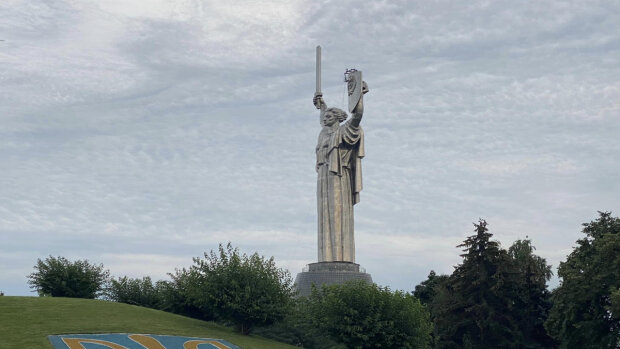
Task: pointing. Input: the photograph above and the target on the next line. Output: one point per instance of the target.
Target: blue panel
(168, 342)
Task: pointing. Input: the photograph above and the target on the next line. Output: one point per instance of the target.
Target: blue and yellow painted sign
(135, 341)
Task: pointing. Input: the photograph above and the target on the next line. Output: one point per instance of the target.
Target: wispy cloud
(133, 132)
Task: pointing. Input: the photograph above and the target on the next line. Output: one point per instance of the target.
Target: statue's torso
(323, 144)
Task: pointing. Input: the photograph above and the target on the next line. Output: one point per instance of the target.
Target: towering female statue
(339, 151)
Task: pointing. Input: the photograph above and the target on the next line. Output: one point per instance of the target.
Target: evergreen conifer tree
(477, 306)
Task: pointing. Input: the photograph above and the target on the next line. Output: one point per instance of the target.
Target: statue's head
(334, 115)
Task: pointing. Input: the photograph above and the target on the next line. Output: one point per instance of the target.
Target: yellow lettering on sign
(195, 343)
(76, 343)
(146, 341)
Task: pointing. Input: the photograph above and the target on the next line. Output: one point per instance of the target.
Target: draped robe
(338, 162)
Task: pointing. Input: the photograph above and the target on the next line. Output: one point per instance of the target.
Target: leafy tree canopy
(585, 312)
(141, 292)
(534, 300)
(247, 291)
(59, 277)
(427, 289)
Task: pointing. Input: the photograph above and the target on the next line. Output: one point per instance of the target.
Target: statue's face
(330, 119)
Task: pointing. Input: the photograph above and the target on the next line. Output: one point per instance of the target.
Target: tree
(171, 296)
(534, 300)
(182, 295)
(475, 307)
(59, 277)
(427, 289)
(359, 315)
(426, 292)
(245, 290)
(141, 292)
(585, 311)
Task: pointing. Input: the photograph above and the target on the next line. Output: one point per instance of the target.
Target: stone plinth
(329, 273)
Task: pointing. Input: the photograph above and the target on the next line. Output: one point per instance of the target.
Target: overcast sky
(140, 134)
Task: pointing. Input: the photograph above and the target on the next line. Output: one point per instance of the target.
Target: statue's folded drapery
(339, 152)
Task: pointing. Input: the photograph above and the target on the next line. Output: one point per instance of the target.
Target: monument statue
(339, 153)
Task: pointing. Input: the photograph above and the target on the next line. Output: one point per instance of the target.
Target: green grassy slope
(25, 322)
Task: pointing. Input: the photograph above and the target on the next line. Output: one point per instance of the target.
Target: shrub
(359, 315)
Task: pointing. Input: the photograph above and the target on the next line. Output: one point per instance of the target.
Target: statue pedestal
(329, 273)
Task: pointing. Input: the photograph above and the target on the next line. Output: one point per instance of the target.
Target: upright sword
(318, 71)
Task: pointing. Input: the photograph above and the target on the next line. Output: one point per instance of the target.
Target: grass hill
(25, 322)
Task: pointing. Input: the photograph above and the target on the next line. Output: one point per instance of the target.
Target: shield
(354, 87)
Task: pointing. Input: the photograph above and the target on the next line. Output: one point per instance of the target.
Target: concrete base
(329, 273)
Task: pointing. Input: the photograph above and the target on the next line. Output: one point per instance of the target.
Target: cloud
(159, 131)
(132, 264)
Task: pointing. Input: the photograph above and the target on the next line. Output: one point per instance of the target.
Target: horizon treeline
(494, 298)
